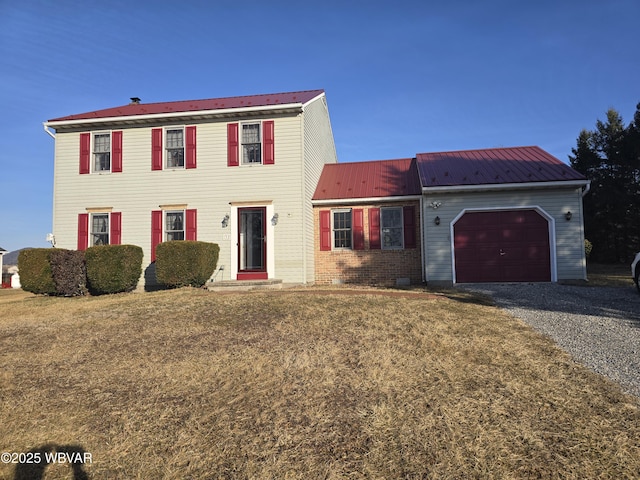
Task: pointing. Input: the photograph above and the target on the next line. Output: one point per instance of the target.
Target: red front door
(502, 246)
(252, 243)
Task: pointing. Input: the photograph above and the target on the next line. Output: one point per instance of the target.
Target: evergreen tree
(609, 156)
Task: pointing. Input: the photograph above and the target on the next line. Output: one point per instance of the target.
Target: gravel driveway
(598, 326)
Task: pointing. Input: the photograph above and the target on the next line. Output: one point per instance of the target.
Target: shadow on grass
(36, 461)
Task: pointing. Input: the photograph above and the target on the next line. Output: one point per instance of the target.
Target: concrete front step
(243, 285)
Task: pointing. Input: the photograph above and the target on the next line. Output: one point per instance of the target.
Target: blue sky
(401, 77)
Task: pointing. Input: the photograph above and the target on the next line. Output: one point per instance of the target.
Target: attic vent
(135, 100)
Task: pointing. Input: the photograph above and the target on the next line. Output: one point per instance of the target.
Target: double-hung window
(342, 235)
(174, 147)
(391, 227)
(99, 234)
(174, 225)
(251, 144)
(102, 152)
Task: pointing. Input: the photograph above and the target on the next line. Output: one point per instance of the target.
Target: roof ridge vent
(135, 101)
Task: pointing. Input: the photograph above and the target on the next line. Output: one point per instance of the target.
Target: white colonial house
(239, 172)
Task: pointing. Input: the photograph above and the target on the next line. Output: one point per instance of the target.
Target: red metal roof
(197, 105)
(373, 179)
(492, 166)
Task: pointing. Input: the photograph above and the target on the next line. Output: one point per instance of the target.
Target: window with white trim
(174, 225)
(251, 143)
(391, 228)
(174, 148)
(102, 152)
(342, 228)
(99, 234)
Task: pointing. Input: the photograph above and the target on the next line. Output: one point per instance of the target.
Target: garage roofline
(504, 186)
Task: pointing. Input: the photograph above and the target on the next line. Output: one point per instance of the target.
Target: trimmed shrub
(113, 268)
(34, 266)
(587, 248)
(184, 263)
(69, 272)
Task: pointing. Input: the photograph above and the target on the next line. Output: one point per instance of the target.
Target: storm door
(252, 243)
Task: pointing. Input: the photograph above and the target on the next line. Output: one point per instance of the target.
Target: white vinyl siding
(569, 235)
(210, 188)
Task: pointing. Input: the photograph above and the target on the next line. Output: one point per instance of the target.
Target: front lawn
(301, 384)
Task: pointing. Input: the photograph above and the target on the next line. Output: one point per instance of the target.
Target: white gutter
(345, 201)
(503, 186)
(46, 129)
(155, 116)
(587, 187)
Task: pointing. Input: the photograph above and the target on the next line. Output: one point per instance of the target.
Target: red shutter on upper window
(232, 145)
(374, 228)
(192, 225)
(358, 228)
(190, 133)
(116, 151)
(85, 152)
(156, 232)
(325, 230)
(409, 219)
(156, 149)
(115, 227)
(83, 231)
(268, 155)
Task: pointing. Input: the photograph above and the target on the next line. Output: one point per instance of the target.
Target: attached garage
(501, 215)
(502, 246)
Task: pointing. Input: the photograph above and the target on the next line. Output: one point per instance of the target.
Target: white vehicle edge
(635, 271)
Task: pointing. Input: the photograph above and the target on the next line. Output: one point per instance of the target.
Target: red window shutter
(232, 145)
(83, 231)
(358, 228)
(409, 219)
(325, 230)
(115, 227)
(85, 152)
(156, 149)
(192, 225)
(156, 232)
(190, 133)
(116, 151)
(268, 154)
(374, 229)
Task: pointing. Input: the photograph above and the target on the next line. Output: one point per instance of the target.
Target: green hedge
(185, 263)
(34, 265)
(113, 268)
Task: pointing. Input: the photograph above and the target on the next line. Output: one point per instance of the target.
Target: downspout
(423, 247)
(587, 187)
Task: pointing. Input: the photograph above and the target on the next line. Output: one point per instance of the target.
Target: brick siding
(367, 267)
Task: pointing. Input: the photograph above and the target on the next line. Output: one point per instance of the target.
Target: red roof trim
(133, 109)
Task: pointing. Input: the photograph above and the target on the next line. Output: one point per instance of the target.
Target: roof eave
(505, 186)
(176, 116)
(353, 200)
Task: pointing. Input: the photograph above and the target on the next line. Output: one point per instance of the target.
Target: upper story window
(99, 234)
(102, 152)
(251, 144)
(342, 236)
(391, 227)
(174, 148)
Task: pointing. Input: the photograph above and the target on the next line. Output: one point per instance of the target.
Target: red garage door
(502, 246)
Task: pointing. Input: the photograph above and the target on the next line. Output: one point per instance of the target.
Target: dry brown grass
(190, 384)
